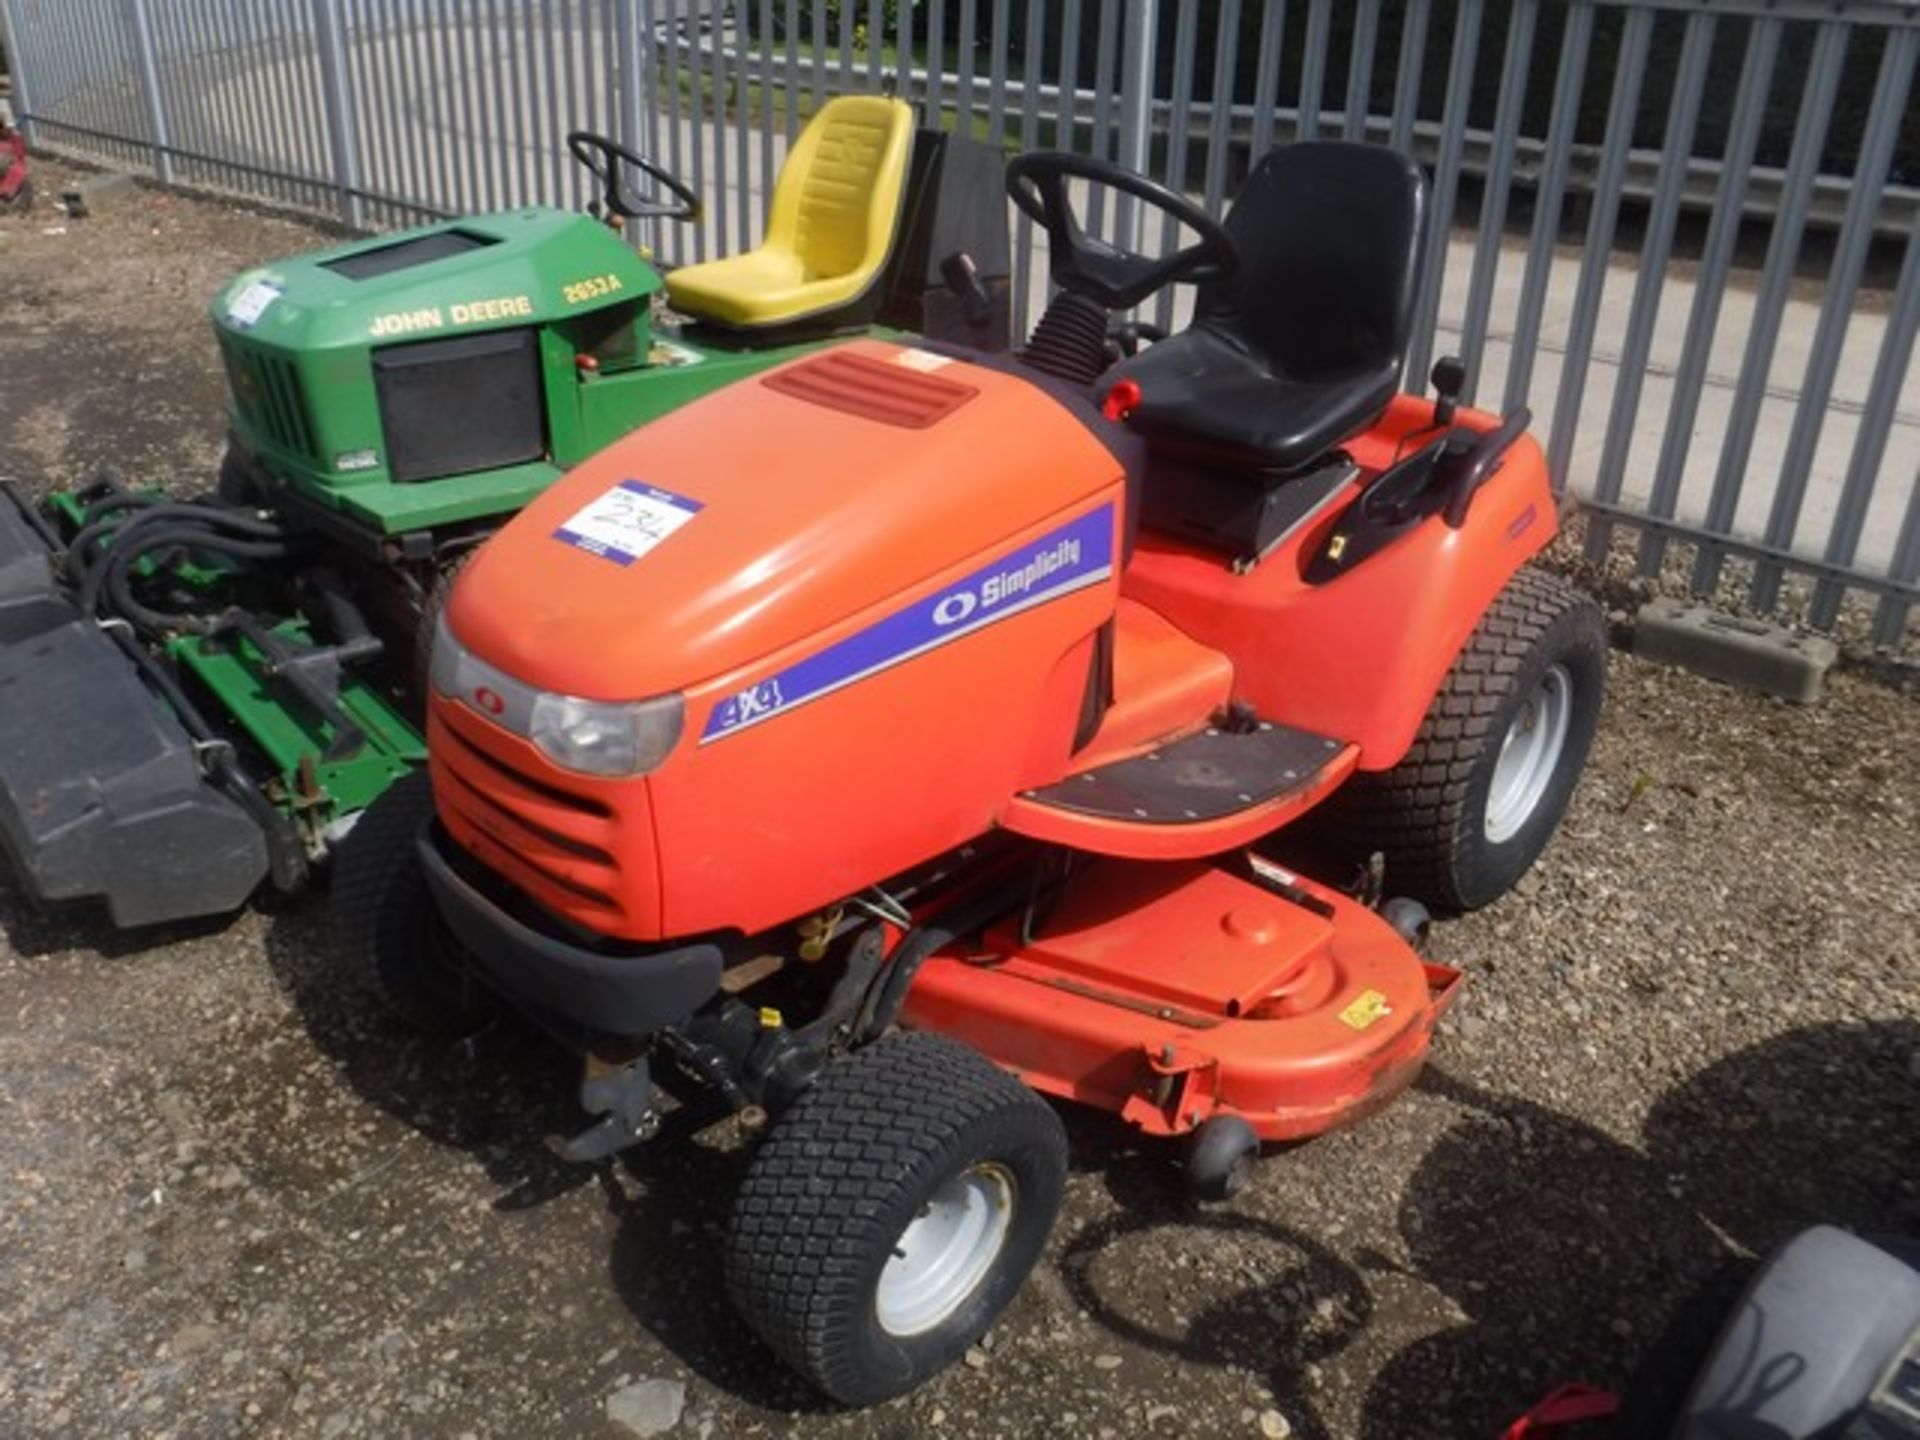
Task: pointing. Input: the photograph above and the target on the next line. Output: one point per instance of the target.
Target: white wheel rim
(1530, 755)
(946, 1250)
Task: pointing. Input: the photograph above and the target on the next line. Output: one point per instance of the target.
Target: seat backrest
(1332, 239)
(838, 198)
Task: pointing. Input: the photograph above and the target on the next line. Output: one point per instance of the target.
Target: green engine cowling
(448, 374)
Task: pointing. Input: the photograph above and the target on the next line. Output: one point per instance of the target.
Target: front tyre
(892, 1213)
(1469, 809)
(384, 918)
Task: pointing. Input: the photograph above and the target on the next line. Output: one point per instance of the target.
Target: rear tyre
(384, 918)
(892, 1213)
(1474, 802)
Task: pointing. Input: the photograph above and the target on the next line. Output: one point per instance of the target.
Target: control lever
(963, 279)
(1481, 462)
(1449, 379)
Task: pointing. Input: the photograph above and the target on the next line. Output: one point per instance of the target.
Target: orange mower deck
(1174, 993)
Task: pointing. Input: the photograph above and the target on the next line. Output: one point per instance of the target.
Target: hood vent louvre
(892, 392)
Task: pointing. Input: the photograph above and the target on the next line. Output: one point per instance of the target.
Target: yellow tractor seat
(835, 209)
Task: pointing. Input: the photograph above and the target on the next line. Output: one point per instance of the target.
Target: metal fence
(1683, 230)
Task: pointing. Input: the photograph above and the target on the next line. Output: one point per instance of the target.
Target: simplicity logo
(961, 604)
(1067, 558)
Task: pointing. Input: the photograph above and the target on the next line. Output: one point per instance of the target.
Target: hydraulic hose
(113, 573)
(82, 560)
(115, 502)
(919, 945)
(95, 525)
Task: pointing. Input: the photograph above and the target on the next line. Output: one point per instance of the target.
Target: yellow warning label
(1367, 1007)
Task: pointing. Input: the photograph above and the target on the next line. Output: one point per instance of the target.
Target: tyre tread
(367, 922)
(855, 1139)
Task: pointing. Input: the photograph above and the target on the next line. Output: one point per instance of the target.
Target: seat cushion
(830, 226)
(1204, 397)
(763, 286)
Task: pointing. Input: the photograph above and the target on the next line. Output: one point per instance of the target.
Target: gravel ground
(237, 1199)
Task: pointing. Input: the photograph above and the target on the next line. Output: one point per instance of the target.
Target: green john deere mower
(199, 695)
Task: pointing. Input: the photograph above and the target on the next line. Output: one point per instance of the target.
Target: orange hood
(768, 512)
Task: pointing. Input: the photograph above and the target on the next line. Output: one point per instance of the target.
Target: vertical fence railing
(1682, 232)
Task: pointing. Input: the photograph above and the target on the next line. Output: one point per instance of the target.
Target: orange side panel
(1361, 656)
(1164, 685)
(772, 820)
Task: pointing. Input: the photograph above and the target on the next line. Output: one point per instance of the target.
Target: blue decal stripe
(1067, 559)
(679, 502)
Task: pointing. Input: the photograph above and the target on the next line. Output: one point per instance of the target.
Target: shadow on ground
(493, 1093)
(1307, 1303)
(1814, 1125)
(33, 930)
(496, 1094)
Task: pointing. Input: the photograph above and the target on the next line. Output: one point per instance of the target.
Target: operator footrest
(1197, 796)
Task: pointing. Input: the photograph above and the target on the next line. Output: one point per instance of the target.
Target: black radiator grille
(450, 407)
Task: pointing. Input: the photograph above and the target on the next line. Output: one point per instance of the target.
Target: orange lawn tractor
(877, 745)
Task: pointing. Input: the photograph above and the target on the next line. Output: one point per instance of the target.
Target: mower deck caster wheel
(891, 1213)
(1220, 1156)
(1410, 920)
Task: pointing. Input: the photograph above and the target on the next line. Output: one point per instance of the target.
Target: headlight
(601, 738)
(593, 737)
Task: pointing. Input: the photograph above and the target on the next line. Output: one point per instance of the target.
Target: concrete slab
(89, 193)
(1749, 653)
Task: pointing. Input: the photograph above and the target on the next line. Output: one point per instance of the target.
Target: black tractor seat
(1302, 346)
(1207, 399)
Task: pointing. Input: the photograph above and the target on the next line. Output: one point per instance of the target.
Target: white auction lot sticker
(245, 309)
(627, 521)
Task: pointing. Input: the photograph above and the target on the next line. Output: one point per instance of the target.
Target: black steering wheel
(1085, 265)
(609, 161)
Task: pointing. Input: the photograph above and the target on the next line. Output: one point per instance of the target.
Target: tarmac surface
(236, 1198)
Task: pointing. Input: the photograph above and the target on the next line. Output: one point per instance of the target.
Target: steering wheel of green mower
(610, 161)
(1086, 265)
